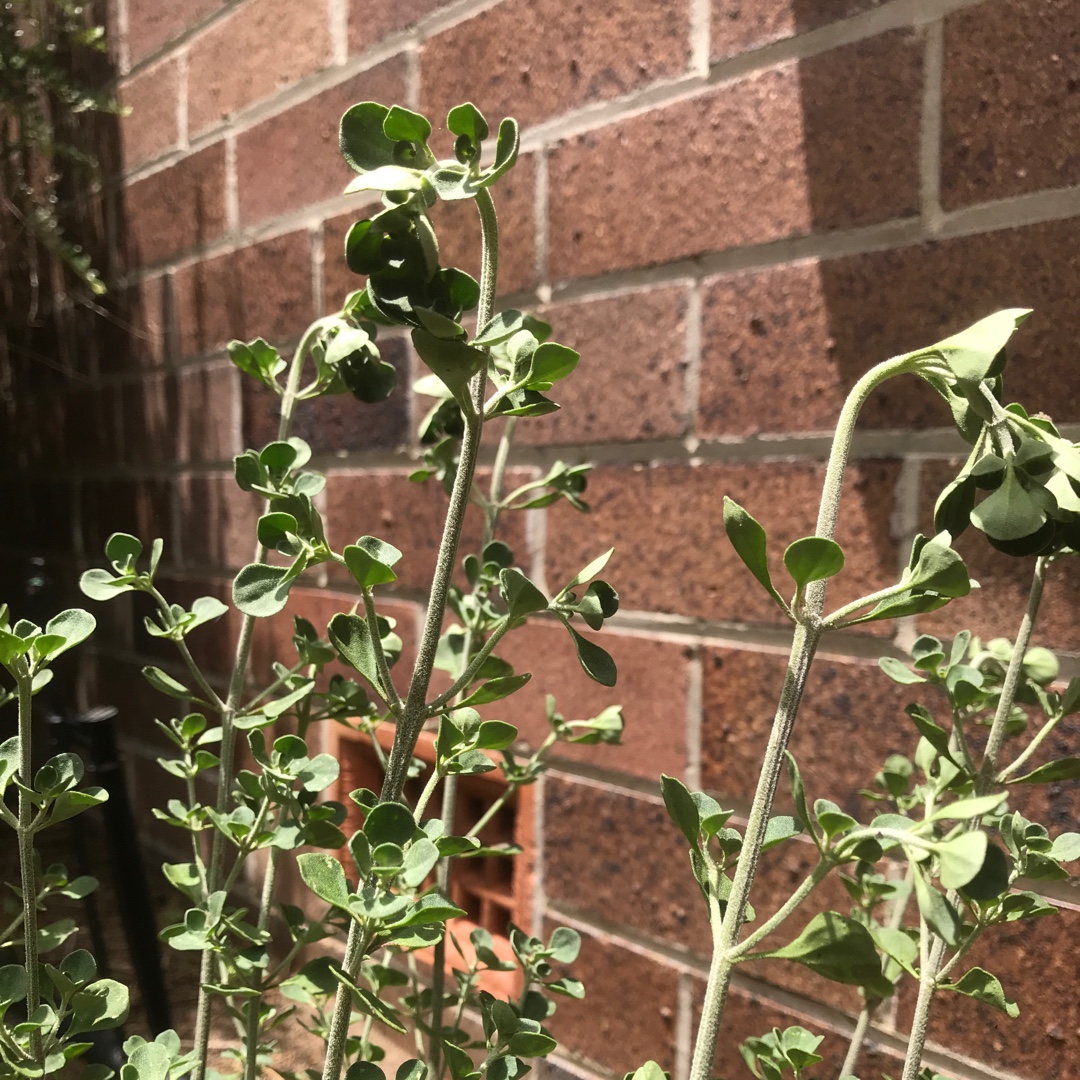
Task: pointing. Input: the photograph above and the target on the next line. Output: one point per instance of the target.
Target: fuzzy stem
(858, 1037)
(803, 647)
(818, 875)
(355, 948)
(24, 681)
(931, 968)
(226, 768)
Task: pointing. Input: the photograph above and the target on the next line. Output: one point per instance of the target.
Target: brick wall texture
(732, 209)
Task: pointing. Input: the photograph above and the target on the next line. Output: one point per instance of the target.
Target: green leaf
(389, 823)
(519, 594)
(258, 359)
(780, 828)
(681, 808)
(370, 1004)
(972, 353)
(370, 560)
(589, 571)
(451, 359)
(1010, 513)
(749, 540)
(595, 661)
(495, 690)
(550, 363)
(981, 985)
(14, 984)
(940, 568)
(1066, 847)
(98, 584)
(939, 914)
(837, 947)
(349, 634)
(531, 1044)
(261, 590)
(165, 684)
(363, 142)
(506, 152)
(1062, 769)
(420, 860)
(403, 125)
(69, 628)
(929, 729)
(324, 876)
(501, 328)
(966, 809)
(467, 120)
(898, 672)
(813, 558)
(993, 877)
(961, 858)
(387, 178)
(101, 1005)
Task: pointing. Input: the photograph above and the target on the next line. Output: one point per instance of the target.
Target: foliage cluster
(941, 832)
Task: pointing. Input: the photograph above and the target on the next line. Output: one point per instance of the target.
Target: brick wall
(735, 208)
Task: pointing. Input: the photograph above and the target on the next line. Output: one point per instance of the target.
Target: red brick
(207, 413)
(1034, 961)
(256, 50)
(994, 610)
(629, 866)
(140, 507)
(260, 291)
(671, 554)
(458, 227)
(780, 347)
(153, 22)
(652, 687)
(851, 719)
(217, 522)
(630, 384)
(91, 424)
(738, 27)
(292, 160)
(150, 415)
(767, 157)
(369, 23)
(152, 127)
(591, 53)
(178, 208)
(1010, 101)
(603, 1029)
(337, 424)
(410, 516)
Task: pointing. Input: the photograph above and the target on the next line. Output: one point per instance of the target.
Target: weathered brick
(1010, 101)
(144, 312)
(292, 160)
(1034, 961)
(851, 719)
(153, 22)
(652, 687)
(217, 522)
(630, 385)
(767, 157)
(91, 426)
(738, 27)
(409, 516)
(628, 866)
(264, 290)
(607, 1031)
(994, 610)
(206, 414)
(152, 127)
(458, 227)
(666, 523)
(369, 23)
(219, 85)
(335, 424)
(780, 347)
(150, 413)
(178, 208)
(591, 53)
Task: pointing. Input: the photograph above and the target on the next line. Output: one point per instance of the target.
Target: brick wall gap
(612, 783)
(692, 370)
(540, 214)
(930, 127)
(700, 36)
(171, 44)
(121, 37)
(318, 266)
(338, 22)
(412, 79)
(1051, 204)
(232, 187)
(694, 718)
(182, 133)
(539, 893)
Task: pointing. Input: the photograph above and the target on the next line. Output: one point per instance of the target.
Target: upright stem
(931, 968)
(414, 711)
(803, 647)
(438, 970)
(227, 766)
(254, 1017)
(28, 879)
(862, 1025)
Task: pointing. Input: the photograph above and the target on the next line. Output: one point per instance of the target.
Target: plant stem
(393, 702)
(803, 647)
(931, 967)
(712, 1008)
(858, 1037)
(474, 665)
(414, 710)
(254, 1018)
(820, 872)
(24, 681)
(438, 967)
(355, 948)
(226, 767)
